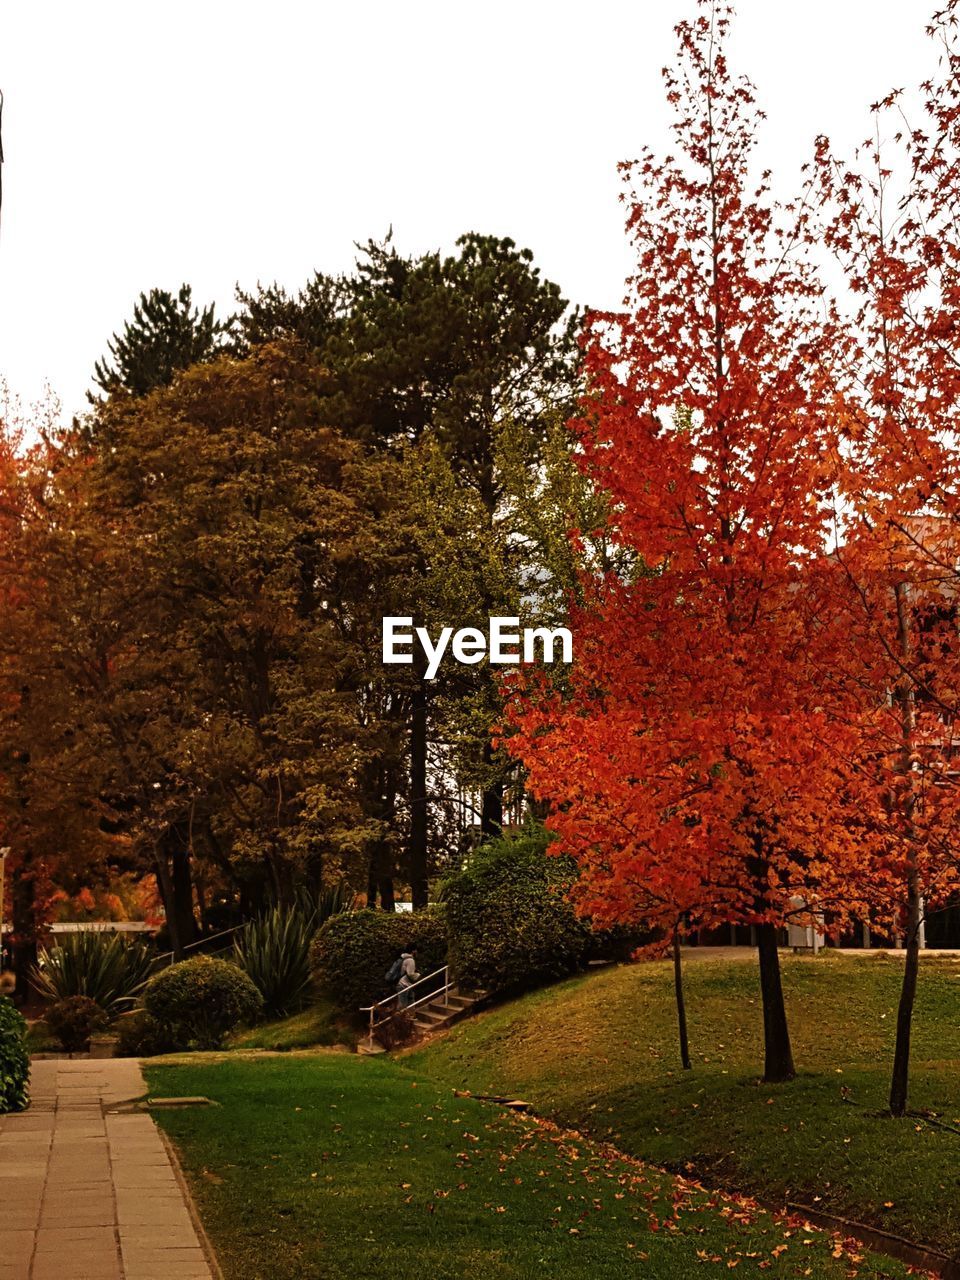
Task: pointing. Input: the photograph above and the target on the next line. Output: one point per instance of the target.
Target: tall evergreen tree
(166, 335)
(448, 351)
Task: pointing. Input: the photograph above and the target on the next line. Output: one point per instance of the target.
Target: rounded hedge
(352, 952)
(510, 923)
(199, 1001)
(14, 1059)
(140, 1036)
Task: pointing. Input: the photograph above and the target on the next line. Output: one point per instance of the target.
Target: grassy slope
(320, 1024)
(599, 1053)
(333, 1166)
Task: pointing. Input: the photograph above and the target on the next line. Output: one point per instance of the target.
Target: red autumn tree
(689, 760)
(891, 222)
(29, 887)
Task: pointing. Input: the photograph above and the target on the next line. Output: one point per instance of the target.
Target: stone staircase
(430, 1017)
(441, 1013)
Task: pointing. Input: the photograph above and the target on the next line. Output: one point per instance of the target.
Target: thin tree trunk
(491, 807)
(778, 1056)
(161, 869)
(182, 882)
(387, 900)
(908, 993)
(905, 700)
(379, 879)
(23, 917)
(418, 797)
(681, 1003)
(371, 885)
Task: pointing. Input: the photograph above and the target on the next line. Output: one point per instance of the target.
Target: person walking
(408, 976)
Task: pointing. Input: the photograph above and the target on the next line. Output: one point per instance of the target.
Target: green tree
(448, 353)
(205, 598)
(167, 334)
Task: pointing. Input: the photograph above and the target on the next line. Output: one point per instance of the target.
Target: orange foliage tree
(890, 219)
(689, 763)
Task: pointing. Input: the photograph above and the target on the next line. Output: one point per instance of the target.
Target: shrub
(14, 1061)
(397, 1031)
(198, 1001)
(353, 951)
(141, 1036)
(109, 968)
(74, 1020)
(510, 924)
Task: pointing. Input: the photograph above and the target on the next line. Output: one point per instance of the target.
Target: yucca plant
(274, 952)
(109, 968)
(274, 949)
(318, 905)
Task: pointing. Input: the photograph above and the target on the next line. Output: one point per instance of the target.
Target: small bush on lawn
(14, 1061)
(141, 1036)
(510, 923)
(109, 968)
(199, 1001)
(397, 1031)
(74, 1020)
(353, 951)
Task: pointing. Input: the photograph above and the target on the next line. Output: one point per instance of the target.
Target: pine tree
(167, 334)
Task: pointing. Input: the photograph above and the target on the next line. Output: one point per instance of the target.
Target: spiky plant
(318, 905)
(274, 949)
(109, 968)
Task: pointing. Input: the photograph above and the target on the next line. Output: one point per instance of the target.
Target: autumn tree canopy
(690, 767)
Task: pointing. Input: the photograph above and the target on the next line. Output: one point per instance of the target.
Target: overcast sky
(217, 143)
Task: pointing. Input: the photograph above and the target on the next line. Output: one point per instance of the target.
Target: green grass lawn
(338, 1165)
(599, 1053)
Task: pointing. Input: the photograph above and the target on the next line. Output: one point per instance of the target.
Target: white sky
(147, 143)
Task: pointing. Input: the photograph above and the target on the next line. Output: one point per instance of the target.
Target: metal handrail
(444, 991)
(200, 942)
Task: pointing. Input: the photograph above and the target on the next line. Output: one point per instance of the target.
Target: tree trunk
(182, 884)
(23, 917)
(418, 798)
(681, 1003)
(908, 993)
(778, 1057)
(379, 880)
(904, 698)
(491, 809)
(175, 882)
(161, 869)
(387, 900)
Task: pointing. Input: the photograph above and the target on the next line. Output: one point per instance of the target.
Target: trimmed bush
(353, 951)
(510, 924)
(199, 1001)
(141, 1036)
(109, 968)
(74, 1020)
(14, 1060)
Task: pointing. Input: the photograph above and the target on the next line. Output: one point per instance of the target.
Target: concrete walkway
(87, 1191)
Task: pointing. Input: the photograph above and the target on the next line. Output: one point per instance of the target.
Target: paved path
(87, 1191)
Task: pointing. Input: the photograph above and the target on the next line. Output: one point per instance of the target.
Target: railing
(167, 957)
(442, 989)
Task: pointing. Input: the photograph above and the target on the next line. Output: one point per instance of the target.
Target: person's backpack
(393, 973)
